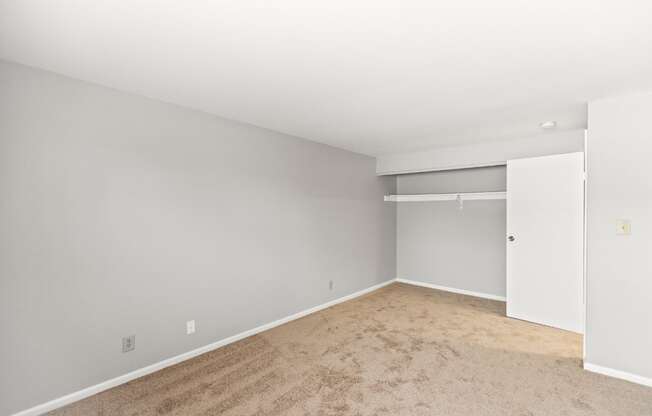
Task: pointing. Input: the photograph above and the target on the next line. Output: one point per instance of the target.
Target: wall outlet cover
(128, 343)
(190, 327)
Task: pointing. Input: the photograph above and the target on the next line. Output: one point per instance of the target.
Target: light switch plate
(190, 327)
(624, 227)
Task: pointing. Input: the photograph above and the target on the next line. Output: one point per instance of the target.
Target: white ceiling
(372, 76)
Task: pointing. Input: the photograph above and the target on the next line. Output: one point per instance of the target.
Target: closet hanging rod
(464, 196)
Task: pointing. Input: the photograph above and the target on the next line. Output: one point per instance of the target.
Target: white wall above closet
(485, 154)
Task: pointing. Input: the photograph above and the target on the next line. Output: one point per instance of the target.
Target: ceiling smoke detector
(547, 125)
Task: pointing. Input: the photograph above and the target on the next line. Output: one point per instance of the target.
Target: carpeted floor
(401, 350)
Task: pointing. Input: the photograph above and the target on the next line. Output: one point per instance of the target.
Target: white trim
(89, 391)
(461, 196)
(585, 277)
(634, 378)
(452, 290)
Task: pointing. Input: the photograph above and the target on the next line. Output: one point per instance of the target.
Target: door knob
(511, 238)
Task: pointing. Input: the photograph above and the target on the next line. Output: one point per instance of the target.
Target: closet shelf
(463, 196)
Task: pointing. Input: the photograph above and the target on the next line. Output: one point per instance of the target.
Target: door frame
(585, 243)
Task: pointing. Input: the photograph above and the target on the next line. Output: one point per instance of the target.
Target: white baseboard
(89, 391)
(452, 289)
(634, 378)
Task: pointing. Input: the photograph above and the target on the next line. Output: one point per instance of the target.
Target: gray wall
(122, 215)
(439, 244)
(619, 281)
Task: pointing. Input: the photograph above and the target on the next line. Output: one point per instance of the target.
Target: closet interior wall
(439, 244)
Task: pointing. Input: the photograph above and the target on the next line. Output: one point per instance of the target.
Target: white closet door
(545, 220)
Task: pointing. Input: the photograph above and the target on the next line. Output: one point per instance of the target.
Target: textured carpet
(401, 350)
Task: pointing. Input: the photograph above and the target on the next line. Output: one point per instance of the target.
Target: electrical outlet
(190, 327)
(330, 285)
(129, 343)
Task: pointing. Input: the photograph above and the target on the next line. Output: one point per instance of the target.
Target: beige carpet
(401, 350)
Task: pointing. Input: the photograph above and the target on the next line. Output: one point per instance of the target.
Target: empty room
(325, 208)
